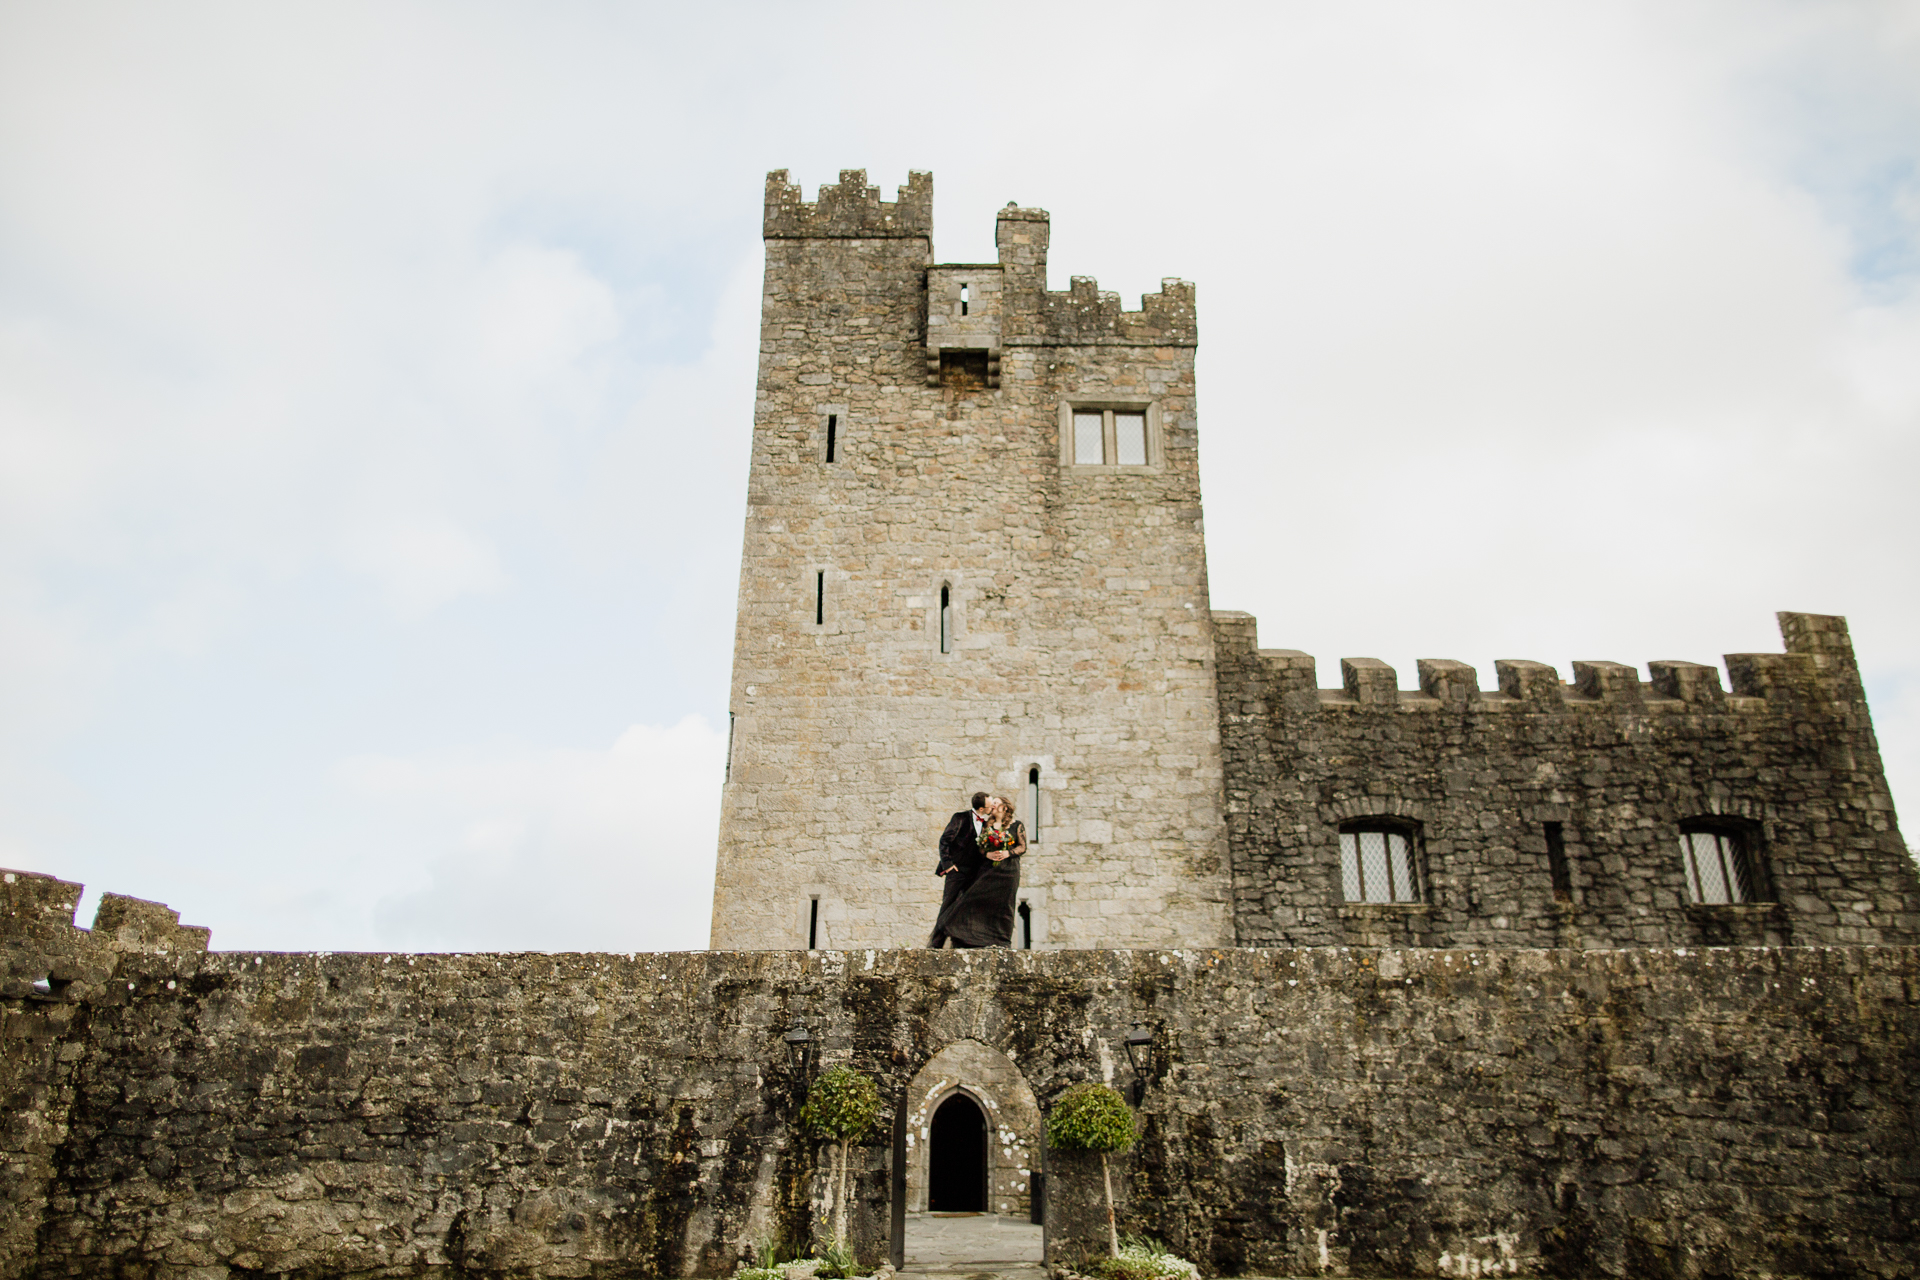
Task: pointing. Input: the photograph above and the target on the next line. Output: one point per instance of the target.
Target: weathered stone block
(1454, 683)
(1690, 682)
(1606, 682)
(1533, 683)
(1369, 682)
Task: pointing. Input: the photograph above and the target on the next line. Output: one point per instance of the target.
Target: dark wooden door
(957, 1157)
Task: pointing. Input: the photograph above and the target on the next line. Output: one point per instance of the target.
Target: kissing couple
(980, 862)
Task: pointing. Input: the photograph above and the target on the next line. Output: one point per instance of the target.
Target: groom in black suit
(960, 860)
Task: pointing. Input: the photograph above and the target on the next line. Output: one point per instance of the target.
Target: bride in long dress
(983, 916)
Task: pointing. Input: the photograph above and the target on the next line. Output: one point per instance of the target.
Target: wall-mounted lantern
(1139, 1044)
(800, 1051)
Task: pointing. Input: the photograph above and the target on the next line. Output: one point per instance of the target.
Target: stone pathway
(979, 1246)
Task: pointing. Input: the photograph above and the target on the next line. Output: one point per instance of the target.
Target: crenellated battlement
(849, 209)
(1000, 310)
(1818, 666)
(46, 956)
(1087, 315)
(1024, 312)
(1564, 812)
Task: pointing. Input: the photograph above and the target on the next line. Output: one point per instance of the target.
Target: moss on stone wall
(1658, 1111)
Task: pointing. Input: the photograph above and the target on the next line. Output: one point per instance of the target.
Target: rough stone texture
(1645, 1113)
(49, 974)
(1081, 641)
(1618, 763)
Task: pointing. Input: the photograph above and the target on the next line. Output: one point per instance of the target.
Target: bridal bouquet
(994, 839)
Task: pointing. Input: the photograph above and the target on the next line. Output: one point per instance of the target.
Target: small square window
(1376, 865)
(1720, 867)
(1107, 437)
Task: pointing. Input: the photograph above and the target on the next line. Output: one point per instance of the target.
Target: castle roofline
(848, 209)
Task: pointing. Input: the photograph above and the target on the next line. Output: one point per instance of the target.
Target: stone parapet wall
(1086, 315)
(1655, 1112)
(849, 209)
(51, 975)
(1788, 755)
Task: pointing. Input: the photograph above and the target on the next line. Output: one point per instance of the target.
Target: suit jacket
(959, 846)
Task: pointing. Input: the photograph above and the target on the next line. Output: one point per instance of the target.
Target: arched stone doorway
(986, 1082)
(957, 1156)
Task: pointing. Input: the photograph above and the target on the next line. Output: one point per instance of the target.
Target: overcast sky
(376, 383)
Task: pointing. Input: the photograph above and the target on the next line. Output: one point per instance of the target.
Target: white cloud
(1878, 354)
(558, 850)
(377, 384)
(423, 562)
(538, 312)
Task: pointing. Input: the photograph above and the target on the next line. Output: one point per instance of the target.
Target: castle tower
(973, 560)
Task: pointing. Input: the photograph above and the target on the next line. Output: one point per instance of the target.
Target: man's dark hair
(979, 798)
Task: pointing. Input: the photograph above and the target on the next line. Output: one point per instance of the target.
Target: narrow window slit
(1557, 863)
(966, 296)
(1033, 804)
(813, 923)
(833, 426)
(820, 598)
(946, 619)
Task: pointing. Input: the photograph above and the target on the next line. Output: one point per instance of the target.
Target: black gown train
(983, 916)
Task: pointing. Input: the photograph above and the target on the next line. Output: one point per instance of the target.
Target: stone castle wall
(1079, 641)
(180, 1114)
(1788, 757)
(51, 975)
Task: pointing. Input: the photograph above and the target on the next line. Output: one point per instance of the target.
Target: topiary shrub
(1092, 1117)
(841, 1105)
